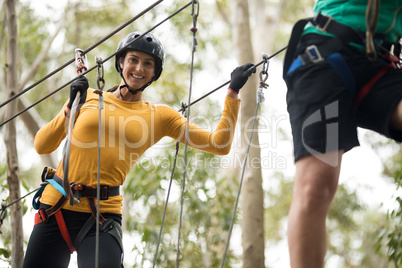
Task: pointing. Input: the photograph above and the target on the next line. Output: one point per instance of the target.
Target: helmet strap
(121, 95)
(132, 91)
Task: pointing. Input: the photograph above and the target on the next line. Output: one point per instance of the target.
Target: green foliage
(342, 224)
(30, 46)
(208, 200)
(391, 235)
(352, 227)
(5, 243)
(278, 202)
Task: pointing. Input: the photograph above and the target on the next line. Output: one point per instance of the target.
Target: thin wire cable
(85, 52)
(260, 98)
(19, 199)
(184, 107)
(94, 67)
(166, 203)
(240, 186)
(226, 83)
(194, 12)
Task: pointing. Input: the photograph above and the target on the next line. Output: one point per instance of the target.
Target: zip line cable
(94, 67)
(85, 52)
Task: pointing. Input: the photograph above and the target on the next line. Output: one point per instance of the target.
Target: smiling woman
(129, 127)
(138, 69)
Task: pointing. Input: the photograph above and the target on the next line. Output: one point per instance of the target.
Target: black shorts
(322, 109)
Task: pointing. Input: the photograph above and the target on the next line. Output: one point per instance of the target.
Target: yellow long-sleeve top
(128, 130)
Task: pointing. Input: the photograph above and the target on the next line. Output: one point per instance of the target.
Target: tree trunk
(17, 253)
(251, 203)
(265, 25)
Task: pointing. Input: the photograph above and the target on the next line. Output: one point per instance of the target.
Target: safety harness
(49, 176)
(329, 51)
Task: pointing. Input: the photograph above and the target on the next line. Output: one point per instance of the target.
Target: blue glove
(240, 76)
(80, 85)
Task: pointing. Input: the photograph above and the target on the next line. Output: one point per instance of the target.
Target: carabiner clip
(80, 60)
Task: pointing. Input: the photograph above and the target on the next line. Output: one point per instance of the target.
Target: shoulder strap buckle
(313, 54)
(322, 22)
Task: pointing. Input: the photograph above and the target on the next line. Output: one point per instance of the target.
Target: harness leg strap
(107, 226)
(83, 232)
(367, 87)
(63, 230)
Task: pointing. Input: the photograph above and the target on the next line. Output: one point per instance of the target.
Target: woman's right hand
(79, 85)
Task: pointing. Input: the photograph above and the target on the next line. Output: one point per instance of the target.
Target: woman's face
(138, 68)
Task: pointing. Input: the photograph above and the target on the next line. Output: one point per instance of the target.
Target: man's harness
(329, 51)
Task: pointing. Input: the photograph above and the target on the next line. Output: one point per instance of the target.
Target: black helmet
(147, 44)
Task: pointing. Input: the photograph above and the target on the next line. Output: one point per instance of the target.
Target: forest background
(364, 225)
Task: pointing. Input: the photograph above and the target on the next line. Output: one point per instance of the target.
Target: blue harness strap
(343, 70)
(55, 181)
(338, 63)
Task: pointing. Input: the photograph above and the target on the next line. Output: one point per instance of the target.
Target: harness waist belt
(80, 190)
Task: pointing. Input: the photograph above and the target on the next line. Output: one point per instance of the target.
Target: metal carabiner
(193, 12)
(263, 79)
(80, 60)
(264, 70)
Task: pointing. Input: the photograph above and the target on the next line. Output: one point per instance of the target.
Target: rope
(372, 14)
(260, 99)
(80, 61)
(194, 13)
(89, 70)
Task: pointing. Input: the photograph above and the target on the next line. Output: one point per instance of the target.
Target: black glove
(80, 85)
(240, 76)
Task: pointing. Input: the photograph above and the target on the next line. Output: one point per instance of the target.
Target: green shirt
(353, 14)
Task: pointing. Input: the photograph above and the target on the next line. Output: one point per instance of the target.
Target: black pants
(47, 248)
